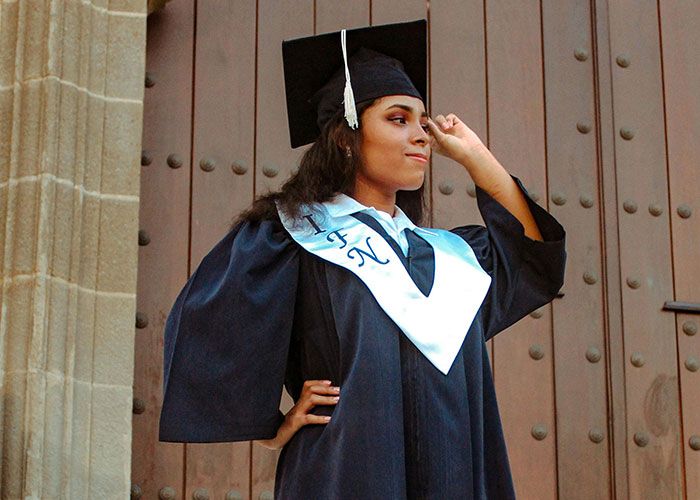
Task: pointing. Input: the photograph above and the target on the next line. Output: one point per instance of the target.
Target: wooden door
(593, 105)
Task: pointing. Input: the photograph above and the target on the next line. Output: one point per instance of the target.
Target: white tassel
(348, 96)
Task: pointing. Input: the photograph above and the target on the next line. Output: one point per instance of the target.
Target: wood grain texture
(458, 85)
(277, 21)
(164, 214)
(583, 466)
(334, 15)
(396, 11)
(516, 137)
(509, 71)
(612, 292)
(655, 470)
(681, 67)
(224, 118)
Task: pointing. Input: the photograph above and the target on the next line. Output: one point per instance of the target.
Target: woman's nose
(421, 136)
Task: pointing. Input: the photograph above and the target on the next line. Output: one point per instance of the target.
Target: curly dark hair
(324, 171)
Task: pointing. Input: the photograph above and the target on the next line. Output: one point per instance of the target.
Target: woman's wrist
(485, 170)
(284, 434)
(474, 156)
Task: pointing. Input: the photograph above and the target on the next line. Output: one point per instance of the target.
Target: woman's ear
(343, 139)
(345, 150)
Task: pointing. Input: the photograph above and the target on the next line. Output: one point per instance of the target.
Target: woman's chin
(413, 185)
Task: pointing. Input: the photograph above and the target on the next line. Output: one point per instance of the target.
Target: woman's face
(395, 144)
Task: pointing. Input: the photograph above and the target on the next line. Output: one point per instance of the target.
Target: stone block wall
(71, 104)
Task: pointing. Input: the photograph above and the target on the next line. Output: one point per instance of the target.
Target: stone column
(71, 103)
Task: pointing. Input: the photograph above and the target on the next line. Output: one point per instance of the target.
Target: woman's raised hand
(314, 392)
(450, 137)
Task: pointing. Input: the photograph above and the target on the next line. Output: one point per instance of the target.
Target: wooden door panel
(458, 85)
(592, 104)
(224, 119)
(611, 285)
(396, 11)
(334, 15)
(222, 185)
(681, 66)
(524, 384)
(651, 378)
(583, 465)
(274, 157)
(164, 222)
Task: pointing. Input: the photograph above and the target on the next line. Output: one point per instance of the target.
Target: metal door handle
(686, 307)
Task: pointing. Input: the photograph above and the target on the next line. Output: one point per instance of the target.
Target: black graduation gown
(260, 312)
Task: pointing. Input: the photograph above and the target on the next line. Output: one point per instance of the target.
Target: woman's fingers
(317, 399)
(443, 122)
(435, 130)
(324, 389)
(319, 387)
(310, 383)
(317, 419)
(313, 393)
(317, 392)
(446, 122)
(309, 400)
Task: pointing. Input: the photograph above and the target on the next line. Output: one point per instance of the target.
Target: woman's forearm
(490, 176)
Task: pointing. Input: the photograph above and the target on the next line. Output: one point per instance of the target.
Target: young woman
(376, 327)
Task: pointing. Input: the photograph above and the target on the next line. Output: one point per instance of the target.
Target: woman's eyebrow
(406, 108)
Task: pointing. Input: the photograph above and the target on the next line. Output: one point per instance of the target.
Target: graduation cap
(326, 73)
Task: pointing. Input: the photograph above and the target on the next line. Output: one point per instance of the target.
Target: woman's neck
(370, 196)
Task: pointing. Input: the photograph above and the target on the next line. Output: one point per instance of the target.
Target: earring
(348, 153)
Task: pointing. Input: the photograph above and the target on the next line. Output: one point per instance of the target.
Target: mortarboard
(381, 60)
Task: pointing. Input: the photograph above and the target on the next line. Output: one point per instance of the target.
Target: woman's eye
(402, 120)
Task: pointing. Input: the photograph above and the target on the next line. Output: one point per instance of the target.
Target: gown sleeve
(227, 339)
(525, 273)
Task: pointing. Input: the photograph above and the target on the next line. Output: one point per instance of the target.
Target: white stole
(436, 324)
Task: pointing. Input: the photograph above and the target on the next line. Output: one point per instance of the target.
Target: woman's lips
(421, 158)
